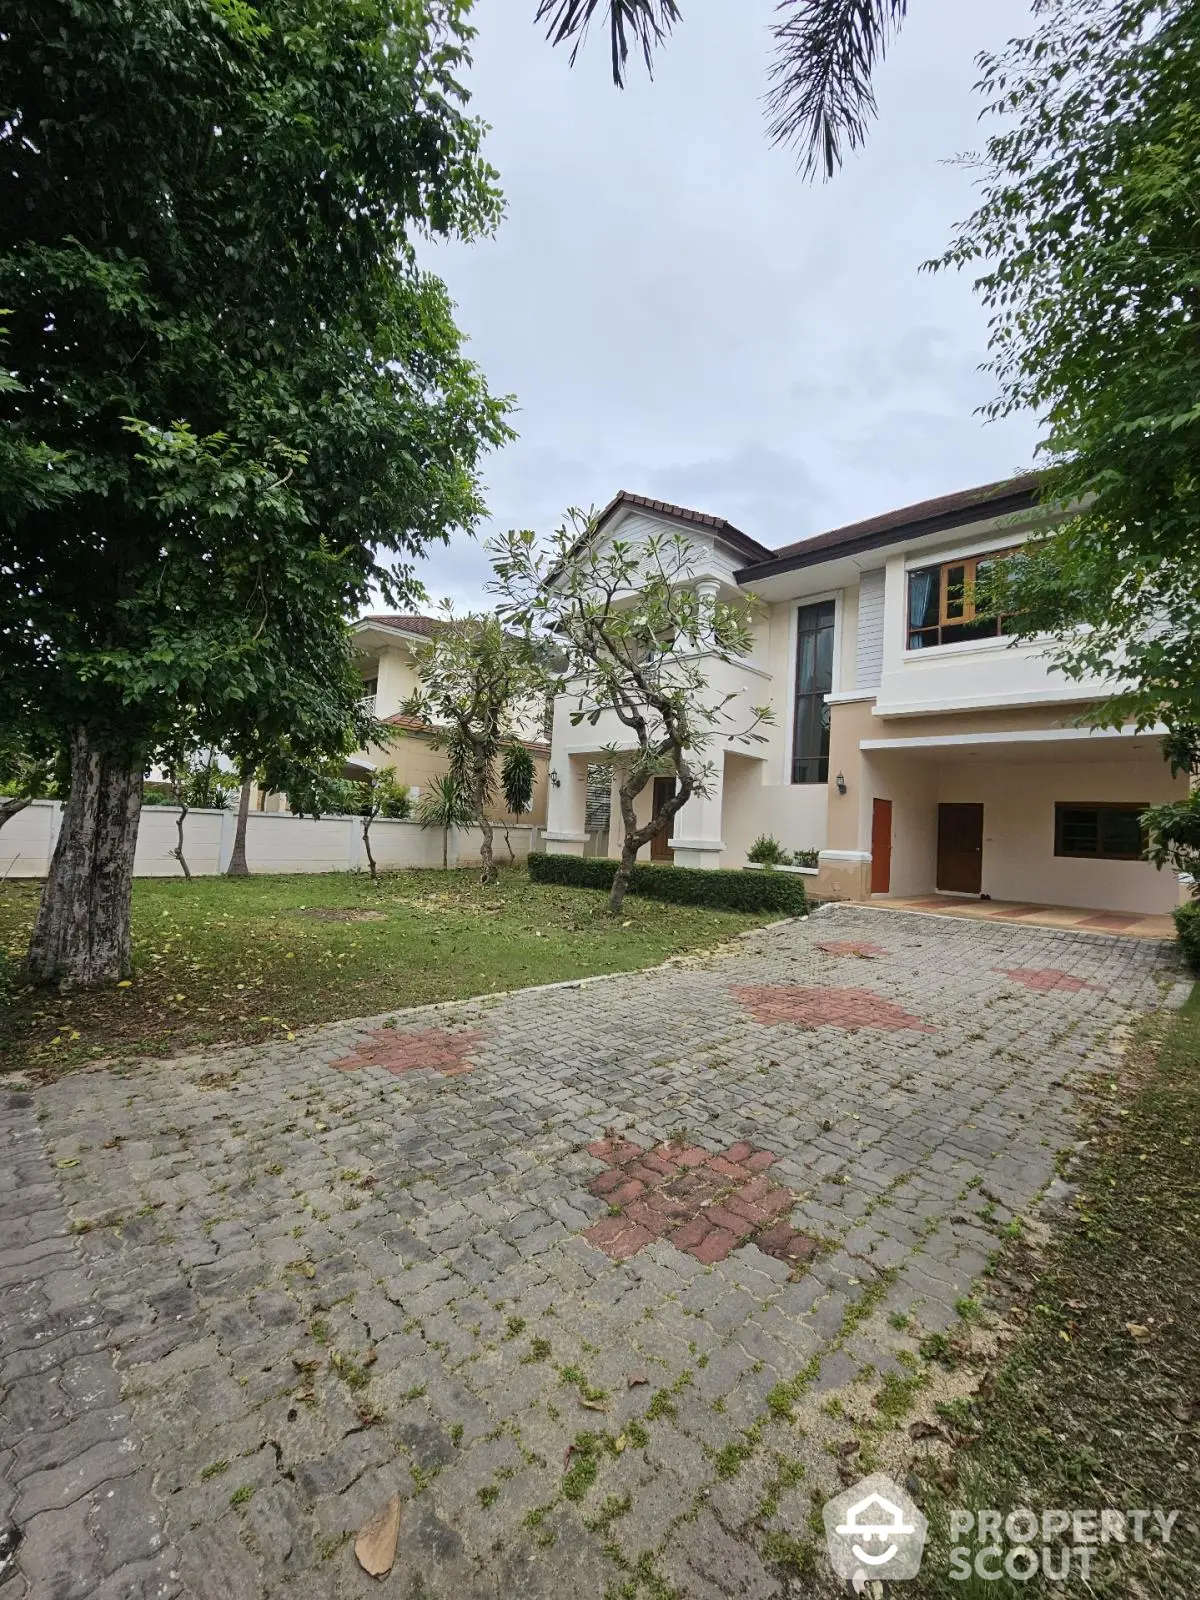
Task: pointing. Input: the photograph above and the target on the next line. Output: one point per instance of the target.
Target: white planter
(799, 872)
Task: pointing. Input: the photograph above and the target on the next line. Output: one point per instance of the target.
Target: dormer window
(950, 603)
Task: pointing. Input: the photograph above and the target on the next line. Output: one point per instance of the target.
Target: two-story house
(916, 746)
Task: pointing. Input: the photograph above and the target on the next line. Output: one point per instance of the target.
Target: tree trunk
(178, 850)
(445, 849)
(81, 937)
(237, 867)
(10, 807)
(620, 884)
(486, 859)
(636, 837)
(367, 821)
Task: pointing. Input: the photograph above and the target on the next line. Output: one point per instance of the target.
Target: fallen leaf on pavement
(924, 1430)
(375, 1546)
(635, 1379)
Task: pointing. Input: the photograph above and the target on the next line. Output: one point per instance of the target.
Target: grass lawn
(219, 960)
(1097, 1403)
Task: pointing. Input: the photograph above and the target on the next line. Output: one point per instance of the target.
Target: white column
(707, 592)
(698, 839)
(566, 805)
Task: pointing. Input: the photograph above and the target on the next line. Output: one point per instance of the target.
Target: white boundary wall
(275, 842)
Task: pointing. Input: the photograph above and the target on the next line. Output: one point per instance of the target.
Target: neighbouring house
(385, 647)
(915, 746)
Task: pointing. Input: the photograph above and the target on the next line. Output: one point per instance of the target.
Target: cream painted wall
(397, 680)
(1018, 830)
(912, 787)
(985, 672)
(795, 813)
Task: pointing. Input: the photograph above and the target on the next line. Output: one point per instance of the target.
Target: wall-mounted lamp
(555, 780)
(841, 783)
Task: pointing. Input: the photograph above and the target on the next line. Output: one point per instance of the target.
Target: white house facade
(917, 749)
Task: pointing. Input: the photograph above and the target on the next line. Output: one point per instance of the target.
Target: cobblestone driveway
(531, 1261)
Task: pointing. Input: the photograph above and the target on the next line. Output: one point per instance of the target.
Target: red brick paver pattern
(703, 1203)
(1044, 978)
(853, 947)
(826, 1008)
(437, 1049)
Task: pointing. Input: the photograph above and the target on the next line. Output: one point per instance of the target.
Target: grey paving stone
(204, 1397)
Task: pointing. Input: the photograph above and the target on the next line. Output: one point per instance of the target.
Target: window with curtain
(814, 680)
(951, 603)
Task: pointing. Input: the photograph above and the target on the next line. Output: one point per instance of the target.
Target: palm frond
(644, 22)
(825, 53)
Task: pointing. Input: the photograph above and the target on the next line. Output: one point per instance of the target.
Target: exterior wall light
(555, 780)
(841, 783)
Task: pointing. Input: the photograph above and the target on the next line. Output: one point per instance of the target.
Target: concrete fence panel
(275, 842)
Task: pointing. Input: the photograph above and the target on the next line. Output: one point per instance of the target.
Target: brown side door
(660, 845)
(881, 846)
(960, 848)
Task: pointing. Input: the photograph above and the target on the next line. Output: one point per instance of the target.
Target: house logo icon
(874, 1530)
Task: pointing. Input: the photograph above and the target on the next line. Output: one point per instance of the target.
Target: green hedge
(689, 886)
(1187, 922)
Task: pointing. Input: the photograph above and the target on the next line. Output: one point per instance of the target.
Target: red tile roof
(425, 626)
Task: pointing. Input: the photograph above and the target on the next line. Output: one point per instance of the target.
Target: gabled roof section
(981, 504)
(423, 626)
(725, 531)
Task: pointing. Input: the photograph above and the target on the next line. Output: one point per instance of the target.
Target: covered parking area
(1023, 819)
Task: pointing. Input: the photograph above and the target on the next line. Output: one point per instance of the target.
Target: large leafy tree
(1088, 240)
(634, 639)
(234, 405)
(825, 51)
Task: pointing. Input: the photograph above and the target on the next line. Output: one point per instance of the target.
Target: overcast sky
(679, 315)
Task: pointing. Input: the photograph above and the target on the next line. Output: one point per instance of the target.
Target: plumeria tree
(636, 640)
(377, 794)
(481, 684)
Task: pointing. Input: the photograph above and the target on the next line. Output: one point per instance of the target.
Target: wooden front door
(881, 846)
(960, 848)
(660, 845)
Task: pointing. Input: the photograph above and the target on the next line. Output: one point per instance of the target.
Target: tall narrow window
(814, 680)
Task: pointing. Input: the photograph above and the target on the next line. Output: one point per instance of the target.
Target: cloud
(678, 314)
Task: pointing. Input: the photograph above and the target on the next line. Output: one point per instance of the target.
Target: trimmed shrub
(766, 851)
(1187, 924)
(722, 890)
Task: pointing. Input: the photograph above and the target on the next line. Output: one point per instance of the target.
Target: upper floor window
(370, 686)
(951, 603)
(814, 680)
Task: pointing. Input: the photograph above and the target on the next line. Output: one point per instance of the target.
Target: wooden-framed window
(814, 680)
(1108, 831)
(951, 603)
